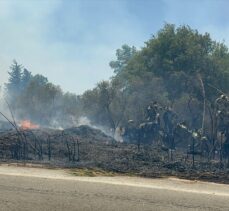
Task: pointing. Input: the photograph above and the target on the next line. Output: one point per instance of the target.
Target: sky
(71, 42)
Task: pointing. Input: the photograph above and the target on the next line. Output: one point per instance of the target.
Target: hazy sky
(72, 41)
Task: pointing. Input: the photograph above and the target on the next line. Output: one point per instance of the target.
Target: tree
(40, 80)
(123, 56)
(13, 86)
(25, 78)
(179, 56)
(105, 105)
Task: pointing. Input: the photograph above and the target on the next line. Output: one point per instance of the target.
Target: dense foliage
(177, 67)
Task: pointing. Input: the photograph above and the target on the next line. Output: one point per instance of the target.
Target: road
(44, 189)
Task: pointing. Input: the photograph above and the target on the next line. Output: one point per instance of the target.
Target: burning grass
(28, 125)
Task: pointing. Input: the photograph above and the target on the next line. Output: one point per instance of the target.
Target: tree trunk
(204, 103)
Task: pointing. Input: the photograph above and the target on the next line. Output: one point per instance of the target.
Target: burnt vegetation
(166, 110)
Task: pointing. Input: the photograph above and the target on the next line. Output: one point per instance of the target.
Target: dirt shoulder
(169, 183)
(220, 177)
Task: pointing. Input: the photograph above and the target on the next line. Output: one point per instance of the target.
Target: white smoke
(1, 102)
(83, 120)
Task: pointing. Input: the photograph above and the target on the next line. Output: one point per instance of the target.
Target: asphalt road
(39, 189)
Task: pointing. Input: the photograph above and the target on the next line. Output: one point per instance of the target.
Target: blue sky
(72, 41)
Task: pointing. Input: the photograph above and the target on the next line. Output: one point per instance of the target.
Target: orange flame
(27, 124)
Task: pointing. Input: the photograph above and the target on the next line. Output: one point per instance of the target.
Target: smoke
(83, 120)
(0, 97)
(57, 121)
(4, 124)
(73, 121)
(2, 104)
(55, 117)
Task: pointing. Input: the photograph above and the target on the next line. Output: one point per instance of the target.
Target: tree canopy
(173, 68)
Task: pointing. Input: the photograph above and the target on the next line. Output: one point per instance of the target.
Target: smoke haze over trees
(33, 97)
(168, 69)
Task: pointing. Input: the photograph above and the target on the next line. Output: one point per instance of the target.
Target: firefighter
(222, 113)
(152, 113)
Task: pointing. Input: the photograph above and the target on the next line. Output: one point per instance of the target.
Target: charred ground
(86, 147)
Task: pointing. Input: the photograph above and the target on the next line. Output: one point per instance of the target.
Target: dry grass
(89, 172)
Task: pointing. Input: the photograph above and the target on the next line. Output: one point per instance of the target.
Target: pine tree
(13, 87)
(25, 78)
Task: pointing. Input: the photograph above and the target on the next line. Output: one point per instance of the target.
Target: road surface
(44, 189)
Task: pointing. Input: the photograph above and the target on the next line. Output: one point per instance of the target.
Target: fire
(27, 124)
